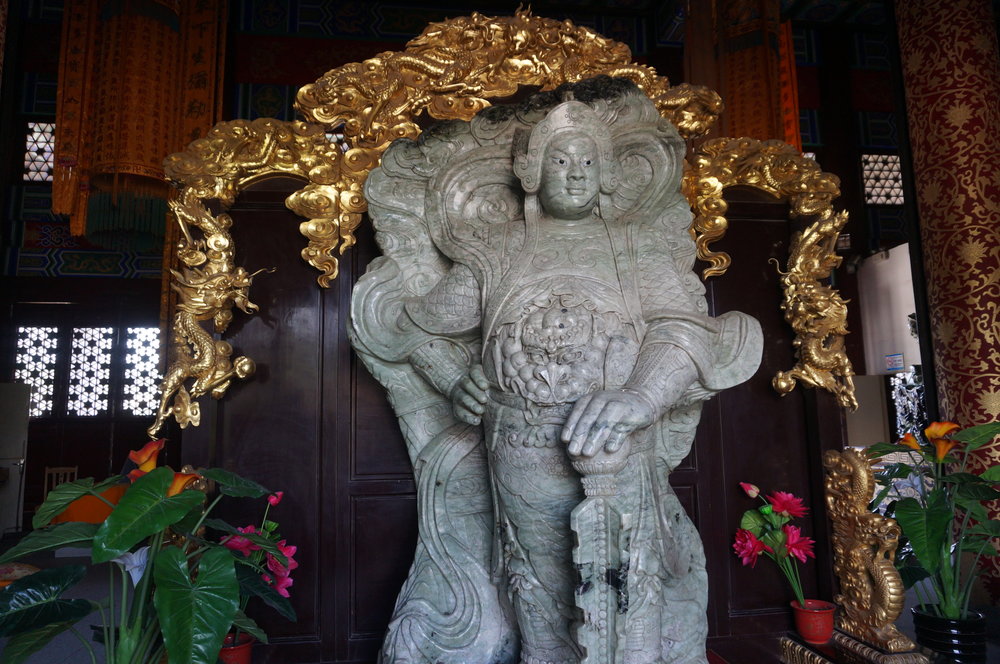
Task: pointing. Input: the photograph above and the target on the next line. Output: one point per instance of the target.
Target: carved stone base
(843, 649)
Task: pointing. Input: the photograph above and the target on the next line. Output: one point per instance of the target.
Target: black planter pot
(962, 641)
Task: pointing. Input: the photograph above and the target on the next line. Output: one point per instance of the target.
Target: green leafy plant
(171, 587)
(939, 506)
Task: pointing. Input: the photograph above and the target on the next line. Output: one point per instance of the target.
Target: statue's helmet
(571, 117)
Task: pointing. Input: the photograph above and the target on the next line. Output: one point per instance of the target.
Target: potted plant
(172, 588)
(947, 531)
(767, 530)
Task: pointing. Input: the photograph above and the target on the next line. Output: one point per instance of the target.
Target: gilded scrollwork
(864, 548)
(815, 311)
(209, 284)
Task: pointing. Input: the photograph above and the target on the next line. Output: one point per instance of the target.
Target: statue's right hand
(468, 397)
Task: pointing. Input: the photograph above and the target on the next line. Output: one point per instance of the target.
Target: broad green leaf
(926, 527)
(974, 543)
(976, 509)
(963, 478)
(195, 615)
(53, 537)
(976, 492)
(877, 500)
(245, 623)
(252, 584)
(911, 574)
(977, 436)
(992, 474)
(989, 528)
(232, 484)
(33, 601)
(142, 511)
(265, 544)
(881, 449)
(22, 646)
(893, 471)
(62, 495)
(753, 521)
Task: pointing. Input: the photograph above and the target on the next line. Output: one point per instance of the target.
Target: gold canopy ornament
(816, 312)
(450, 71)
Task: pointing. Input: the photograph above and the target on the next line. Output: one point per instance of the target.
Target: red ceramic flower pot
(239, 652)
(814, 622)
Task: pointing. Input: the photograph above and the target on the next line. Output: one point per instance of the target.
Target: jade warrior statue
(545, 344)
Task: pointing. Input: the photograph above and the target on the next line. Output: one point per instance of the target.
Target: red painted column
(951, 71)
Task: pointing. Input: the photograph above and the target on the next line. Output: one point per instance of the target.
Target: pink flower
(280, 570)
(241, 544)
(748, 547)
(751, 490)
(796, 545)
(280, 584)
(275, 498)
(787, 504)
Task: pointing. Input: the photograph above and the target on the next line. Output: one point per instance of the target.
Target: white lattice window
(883, 179)
(90, 371)
(35, 365)
(142, 377)
(39, 147)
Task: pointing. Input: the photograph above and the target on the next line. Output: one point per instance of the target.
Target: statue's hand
(605, 418)
(468, 397)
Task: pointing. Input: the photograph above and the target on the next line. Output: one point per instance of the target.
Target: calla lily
(940, 429)
(181, 481)
(146, 457)
(751, 490)
(909, 440)
(135, 474)
(941, 447)
(134, 563)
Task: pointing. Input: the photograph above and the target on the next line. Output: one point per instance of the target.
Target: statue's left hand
(605, 419)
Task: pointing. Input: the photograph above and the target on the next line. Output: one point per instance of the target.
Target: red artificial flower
(940, 429)
(275, 498)
(280, 584)
(941, 447)
(146, 457)
(748, 547)
(787, 504)
(181, 482)
(909, 440)
(241, 544)
(751, 490)
(796, 545)
(276, 567)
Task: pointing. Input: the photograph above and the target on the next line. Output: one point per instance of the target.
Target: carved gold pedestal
(844, 649)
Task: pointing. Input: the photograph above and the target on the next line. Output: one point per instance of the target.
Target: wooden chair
(56, 475)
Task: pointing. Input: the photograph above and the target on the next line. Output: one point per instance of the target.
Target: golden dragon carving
(864, 548)
(816, 312)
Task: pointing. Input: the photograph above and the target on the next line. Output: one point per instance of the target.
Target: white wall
(886, 292)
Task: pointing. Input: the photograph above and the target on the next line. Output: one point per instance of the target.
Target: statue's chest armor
(565, 330)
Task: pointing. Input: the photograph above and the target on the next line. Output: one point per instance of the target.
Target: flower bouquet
(767, 530)
(939, 506)
(171, 587)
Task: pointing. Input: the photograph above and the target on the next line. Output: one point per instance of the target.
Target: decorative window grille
(39, 147)
(142, 378)
(883, 179)
(35, 365)
(90, 371)
(109, 371)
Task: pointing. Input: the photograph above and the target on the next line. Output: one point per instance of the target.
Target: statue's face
(571, 177)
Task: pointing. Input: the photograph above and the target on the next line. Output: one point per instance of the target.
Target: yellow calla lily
(940, 429)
